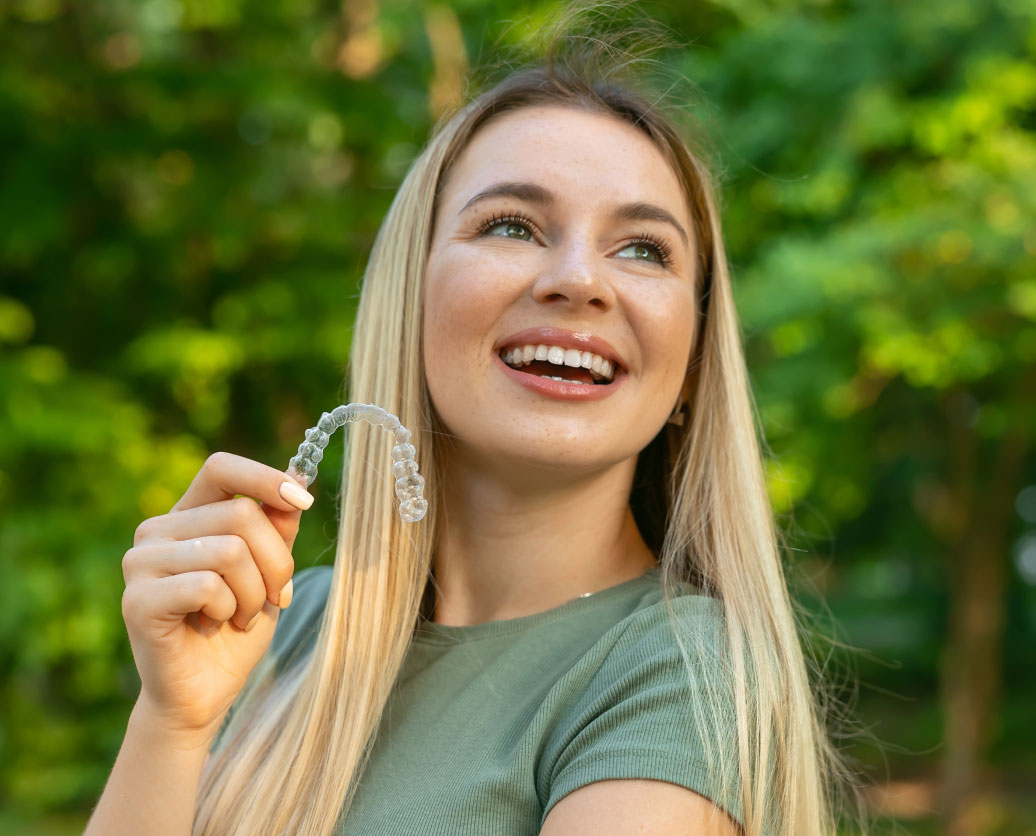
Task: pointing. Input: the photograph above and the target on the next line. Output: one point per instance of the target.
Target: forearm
(154, 784)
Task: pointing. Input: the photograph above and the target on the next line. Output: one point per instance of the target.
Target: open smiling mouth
(560, 364)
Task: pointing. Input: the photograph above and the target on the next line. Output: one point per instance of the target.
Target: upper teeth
(522, 355)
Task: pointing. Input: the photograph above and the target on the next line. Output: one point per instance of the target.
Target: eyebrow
(532, 193)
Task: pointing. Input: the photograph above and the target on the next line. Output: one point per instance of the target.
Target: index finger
(225, 475)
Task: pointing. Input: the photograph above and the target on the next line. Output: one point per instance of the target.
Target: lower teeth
(565, 379)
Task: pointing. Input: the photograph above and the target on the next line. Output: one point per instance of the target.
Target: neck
(517, 542)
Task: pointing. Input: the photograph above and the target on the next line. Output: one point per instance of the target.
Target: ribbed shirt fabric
(490, 725)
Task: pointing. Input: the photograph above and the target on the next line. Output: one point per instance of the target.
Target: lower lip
(563, 391)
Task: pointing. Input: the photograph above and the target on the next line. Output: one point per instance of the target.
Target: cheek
(464, 299)
(665, 323)
(466, 292)
(451, 309)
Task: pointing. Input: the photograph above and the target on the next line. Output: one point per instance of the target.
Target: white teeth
(566, 380)
(519, 356)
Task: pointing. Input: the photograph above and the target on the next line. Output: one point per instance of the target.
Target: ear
(688, 388)
(690, 384)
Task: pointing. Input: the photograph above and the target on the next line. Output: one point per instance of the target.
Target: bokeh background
(190, 189)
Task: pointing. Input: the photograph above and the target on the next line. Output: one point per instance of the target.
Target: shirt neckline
(431, 632)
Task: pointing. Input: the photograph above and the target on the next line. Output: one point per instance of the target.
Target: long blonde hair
(295, 754)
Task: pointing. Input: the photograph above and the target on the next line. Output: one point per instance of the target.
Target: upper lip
(563, 338)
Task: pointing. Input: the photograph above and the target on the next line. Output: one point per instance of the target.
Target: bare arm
(205, 584)
(153, 786)
(618, 807)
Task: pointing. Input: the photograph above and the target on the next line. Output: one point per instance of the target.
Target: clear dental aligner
(409, 483)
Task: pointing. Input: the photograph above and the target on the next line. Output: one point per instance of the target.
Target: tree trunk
(971, 676)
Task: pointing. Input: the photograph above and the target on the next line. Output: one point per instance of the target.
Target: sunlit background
(190, 189)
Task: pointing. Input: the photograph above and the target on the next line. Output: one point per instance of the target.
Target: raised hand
(205, 585)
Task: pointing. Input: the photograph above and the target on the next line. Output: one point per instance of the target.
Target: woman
(606, 644)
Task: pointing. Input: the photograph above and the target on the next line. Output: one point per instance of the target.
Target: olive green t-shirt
(490, 725)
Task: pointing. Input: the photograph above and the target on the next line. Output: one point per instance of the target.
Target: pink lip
(564, 339)
(563, 391)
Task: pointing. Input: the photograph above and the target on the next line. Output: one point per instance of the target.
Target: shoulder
(656, 718)
(675, 646)
(298, 625)
(685, 609)
(687, 632)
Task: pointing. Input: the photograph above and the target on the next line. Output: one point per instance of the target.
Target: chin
(552, 453)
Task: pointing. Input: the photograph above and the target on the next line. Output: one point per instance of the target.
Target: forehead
(584, 157)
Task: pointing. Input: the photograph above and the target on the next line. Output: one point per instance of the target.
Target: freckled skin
(535, 499)
(480, 289)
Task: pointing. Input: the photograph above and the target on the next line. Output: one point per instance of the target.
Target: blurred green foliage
(189, 191)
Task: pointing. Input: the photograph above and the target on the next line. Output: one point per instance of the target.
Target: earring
(677, 417)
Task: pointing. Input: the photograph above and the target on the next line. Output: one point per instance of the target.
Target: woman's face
(559, 219)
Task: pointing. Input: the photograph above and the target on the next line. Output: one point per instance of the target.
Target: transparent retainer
(409, 483)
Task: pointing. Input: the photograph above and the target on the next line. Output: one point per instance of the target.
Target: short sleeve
(293, 637)
(644, 714)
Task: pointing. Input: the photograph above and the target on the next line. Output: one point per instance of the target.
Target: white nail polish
(286, 595)
(301, 499)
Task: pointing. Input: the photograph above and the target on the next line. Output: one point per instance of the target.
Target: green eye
(511, 230)
(640, 251)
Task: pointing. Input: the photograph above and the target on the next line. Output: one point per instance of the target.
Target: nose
(573, 276)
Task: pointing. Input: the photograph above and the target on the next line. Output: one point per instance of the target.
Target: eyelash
(663, 249)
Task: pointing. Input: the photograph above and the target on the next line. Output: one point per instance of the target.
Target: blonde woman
(590, 632)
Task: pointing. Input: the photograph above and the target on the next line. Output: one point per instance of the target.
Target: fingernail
(301, 499)
(286, 595)
(251, 623)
